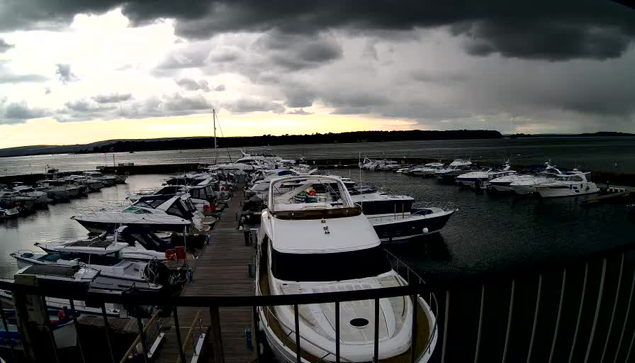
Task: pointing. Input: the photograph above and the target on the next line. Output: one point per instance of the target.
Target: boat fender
(425, 230)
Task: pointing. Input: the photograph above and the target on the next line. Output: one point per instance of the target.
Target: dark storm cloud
(19, 112)
(112, 98)
(4, 46)
(541, 29)
(65, 73)
(84, 106)
(189, 84)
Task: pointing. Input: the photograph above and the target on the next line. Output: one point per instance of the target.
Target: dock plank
(221, 270)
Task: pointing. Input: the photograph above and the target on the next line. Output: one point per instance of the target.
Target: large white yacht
(314, 239)
(160, 213)
(568, 185)
(427, 170)
(456, 168)
(480, 179)
(527, 184)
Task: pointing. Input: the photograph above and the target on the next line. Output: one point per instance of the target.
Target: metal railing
(170, 303)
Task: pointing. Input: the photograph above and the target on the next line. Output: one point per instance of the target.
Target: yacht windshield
(329, 266)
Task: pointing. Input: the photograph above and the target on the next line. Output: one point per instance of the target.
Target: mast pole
(215, 144)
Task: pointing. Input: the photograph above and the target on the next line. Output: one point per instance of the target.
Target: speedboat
(456, 168)
(200, 195)
(314, 239)
(503, 183)
(395, 219)
(480, 179)
(159, 213)
(427, 170)
(143, 244)
(527, 184)
(568, 185)
(114, 273)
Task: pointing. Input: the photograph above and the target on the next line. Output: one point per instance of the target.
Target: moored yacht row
(545, 181)
(19, 199)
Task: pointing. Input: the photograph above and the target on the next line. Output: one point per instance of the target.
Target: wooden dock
(221, 270)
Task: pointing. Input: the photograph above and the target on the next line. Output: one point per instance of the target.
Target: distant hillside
(248, 141)
(600, 133)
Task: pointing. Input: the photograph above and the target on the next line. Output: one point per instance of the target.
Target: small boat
(481, 179)
(8, 213)
(456, 168)
(41, 198)
(395, 219)
(335, 234)
(159, 213)
(568, 185)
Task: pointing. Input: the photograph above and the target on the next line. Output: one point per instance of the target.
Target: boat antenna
(359, 164)
(215, 144)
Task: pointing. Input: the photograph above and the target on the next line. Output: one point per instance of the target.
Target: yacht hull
(99, 227)
(395, 227)
(574, 191)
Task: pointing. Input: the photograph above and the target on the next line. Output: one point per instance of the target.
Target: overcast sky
(79, 71)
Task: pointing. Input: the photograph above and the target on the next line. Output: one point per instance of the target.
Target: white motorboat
(456, 168)
(527, 184)
(40, 197)
(115, 273)
(107, 180)
(427, 170)
(8, 213)
(568, 185)
(307, 229)
(143, 244)
(480, 179)
(14, 199)
(61, 324)
(200, 195)
(395, 219)
(159, 213)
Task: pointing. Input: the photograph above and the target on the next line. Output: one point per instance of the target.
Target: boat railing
(410, 275)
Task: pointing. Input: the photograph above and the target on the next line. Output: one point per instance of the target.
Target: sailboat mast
(215, 144)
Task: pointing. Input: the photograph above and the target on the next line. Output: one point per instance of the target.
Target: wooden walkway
(222, 269)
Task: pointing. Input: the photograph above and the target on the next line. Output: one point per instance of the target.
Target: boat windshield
(311, 193)
(329, 266)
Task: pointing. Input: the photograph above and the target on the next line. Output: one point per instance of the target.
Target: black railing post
(79, 341)
(413, 345)
(47, 325)
(298, 355)
(256, 320)
(337, 332)
(107, 327)
(217, 340)
(6, 329)
(142, 336)
(179, 341)
(376, 345)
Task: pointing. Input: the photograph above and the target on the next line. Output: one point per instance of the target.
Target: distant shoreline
(190, 143)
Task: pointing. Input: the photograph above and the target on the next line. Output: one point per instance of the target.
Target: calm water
(593, 153)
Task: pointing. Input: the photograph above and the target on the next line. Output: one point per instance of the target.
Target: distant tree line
(271, 140)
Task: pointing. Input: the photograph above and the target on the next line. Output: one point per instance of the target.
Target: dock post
(33, 320)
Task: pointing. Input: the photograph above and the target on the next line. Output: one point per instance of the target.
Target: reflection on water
(54, 222)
